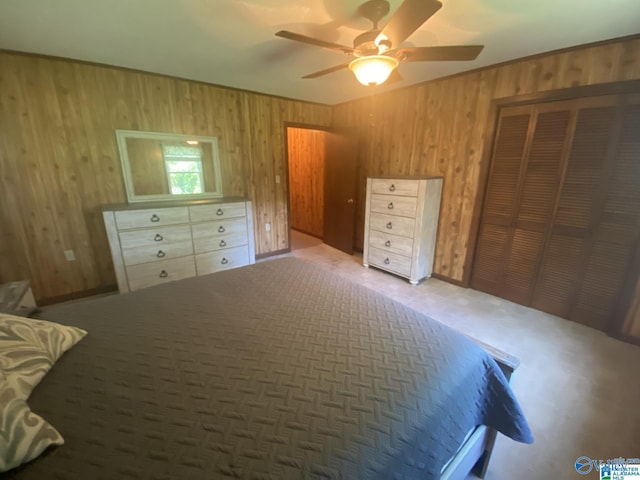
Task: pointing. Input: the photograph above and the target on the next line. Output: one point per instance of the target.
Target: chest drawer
(222, 260)
(390, 261)
(391, 243)
(148, 274)
(394, 205)
(209, 236)
(395, 187)
(402, 226)
(151, 217)
(153, 253)
(155, 237)
(200, 213)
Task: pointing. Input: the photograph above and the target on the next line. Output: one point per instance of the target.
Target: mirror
(166, 166)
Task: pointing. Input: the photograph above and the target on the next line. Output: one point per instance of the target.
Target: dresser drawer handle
(158, 238)
(390, 206)
(389, 226)
(386, 261)
(163, 274)
(223, 243)
(160, 254)
(224, 261)
(387, 243)
(219, 212)
(221, 229)
(155, 218)
(392, 188)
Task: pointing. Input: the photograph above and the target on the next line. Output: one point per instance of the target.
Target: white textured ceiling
(232, 42)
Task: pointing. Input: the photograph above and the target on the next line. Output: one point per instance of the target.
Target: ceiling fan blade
(326, 71)
(438, 54)
(313, 41)
(407, 19)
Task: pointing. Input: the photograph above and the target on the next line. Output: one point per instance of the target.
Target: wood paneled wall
(306, 179)
(440, 128)
(59, 160)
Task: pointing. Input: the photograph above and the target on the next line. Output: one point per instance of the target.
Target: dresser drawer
(209, 236)
(391, 243)
(394, 205)
(148, 274)
(222, 260)
(151, 217)
(153, 253)
(402, 226)
(155, 237)
(200, 213)
(390, 261)
(395, 187)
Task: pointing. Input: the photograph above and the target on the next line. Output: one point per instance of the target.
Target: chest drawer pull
(155, 218)
(386, 261)
(387, 243)
(223, 243)
(219, 212)
(392, 188)
(163, 274)
(224, 261)
(221, 229)
(389, 226)
(158, 238)
(160, 254)
(390, 206)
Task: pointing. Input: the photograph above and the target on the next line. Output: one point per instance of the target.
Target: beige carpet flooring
(579, 388)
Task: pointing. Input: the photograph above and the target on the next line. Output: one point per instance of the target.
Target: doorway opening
(322, 169)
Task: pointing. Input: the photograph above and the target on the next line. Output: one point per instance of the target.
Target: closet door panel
(542, 174)
(522, 265)
(489, 261)
(568, 246)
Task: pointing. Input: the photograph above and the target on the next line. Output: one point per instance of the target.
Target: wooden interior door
(340, 170)
(561, 217)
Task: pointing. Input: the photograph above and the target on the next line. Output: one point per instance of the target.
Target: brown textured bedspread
(274, 371)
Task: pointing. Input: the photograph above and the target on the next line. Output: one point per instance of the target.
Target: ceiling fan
(378, 52)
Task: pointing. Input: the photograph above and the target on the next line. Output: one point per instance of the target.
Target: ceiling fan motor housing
(365, 44)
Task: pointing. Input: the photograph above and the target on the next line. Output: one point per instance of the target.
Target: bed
(279, 370)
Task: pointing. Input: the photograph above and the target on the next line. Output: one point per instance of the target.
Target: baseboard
(444, 278)
(42, 302)
(260, 256)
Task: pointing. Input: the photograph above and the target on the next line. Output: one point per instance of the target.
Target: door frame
(304, 126)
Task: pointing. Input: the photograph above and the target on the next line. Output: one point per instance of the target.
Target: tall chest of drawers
(401, 224)
(157, 243)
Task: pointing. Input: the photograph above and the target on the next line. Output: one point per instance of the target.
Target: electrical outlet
(267, 227)
(277, 178)
(69, 255)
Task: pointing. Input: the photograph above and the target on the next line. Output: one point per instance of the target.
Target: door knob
(350, 200)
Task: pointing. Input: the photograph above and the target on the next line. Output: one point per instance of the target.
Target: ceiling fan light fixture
(373, 69)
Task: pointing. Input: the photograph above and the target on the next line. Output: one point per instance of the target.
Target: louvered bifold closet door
(615, 236)
(569, 244)
(499, 205)
(509, 252)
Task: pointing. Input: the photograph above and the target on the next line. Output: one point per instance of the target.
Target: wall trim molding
(67, 297)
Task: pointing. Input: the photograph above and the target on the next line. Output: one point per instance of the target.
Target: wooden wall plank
(450, 116)
(59, 160)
